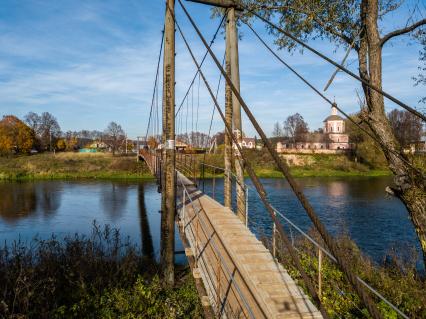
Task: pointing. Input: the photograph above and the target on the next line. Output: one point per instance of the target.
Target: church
(333, 139)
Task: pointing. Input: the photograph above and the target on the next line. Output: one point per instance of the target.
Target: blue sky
(92, 62)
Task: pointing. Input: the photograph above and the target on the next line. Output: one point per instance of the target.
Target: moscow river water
(358, 207)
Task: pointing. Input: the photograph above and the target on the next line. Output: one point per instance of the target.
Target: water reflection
(22, 200)
(114, 199)
(147, 246)
(358, 207)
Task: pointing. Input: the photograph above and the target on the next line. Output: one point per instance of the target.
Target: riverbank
(99, 276)
(303, 165)
(69, 166)
(72, 166)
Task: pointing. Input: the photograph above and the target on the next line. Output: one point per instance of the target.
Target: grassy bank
(99, 276)
(72, 166)
(303, 165)
(105, 166)
(396, 278)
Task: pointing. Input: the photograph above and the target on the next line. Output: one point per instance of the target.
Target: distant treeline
(42, 132)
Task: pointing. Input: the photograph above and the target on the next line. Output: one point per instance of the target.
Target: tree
(295, 127)
(33, 120)
(407, 127)
(355, 24)
(114, 136)
(46, 128)
(61, 144)
(49, 130)
(15, 136)
(421, 78)
(277, 132)
(220, 138)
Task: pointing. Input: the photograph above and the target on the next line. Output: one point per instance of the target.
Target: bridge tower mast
(168, 191)
(232, 33)
(232, 107)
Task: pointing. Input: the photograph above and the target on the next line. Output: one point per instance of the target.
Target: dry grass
(71, 165)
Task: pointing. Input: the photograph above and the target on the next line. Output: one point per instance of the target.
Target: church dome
(333, 117)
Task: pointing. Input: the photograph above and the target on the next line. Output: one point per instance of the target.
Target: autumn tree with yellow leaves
(15, 136)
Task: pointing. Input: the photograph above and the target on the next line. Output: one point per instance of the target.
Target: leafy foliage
(396, 279)
(100, 276)
(15, 136)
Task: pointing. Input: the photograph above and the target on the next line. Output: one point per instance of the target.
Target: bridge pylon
(168, 173)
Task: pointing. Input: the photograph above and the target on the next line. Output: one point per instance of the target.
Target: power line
(341, 67)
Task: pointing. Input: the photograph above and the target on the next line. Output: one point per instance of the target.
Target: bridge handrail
(220, 256)
(324, 250)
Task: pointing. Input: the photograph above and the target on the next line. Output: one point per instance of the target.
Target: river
(358, 207)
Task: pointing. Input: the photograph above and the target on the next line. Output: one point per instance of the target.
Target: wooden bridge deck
(239, 276)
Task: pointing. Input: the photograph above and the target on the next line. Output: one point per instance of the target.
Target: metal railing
(238, 197)
(294, 228)
(321, 251)
(189, 165)
(213, 278)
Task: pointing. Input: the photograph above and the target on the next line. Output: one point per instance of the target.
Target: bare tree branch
(402, 31)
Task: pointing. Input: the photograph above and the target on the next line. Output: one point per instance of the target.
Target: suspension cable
(339, 66)
(258, 186)
(155, 84)
(328, 239)
(198, 109)
(202, 61)
(330, 102)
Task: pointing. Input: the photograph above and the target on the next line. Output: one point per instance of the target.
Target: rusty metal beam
(220, 3)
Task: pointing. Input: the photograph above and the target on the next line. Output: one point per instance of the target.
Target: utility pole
(168, 171)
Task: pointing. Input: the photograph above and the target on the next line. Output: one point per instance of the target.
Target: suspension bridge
(236, 274)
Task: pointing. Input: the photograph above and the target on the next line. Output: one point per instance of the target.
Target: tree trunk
(410, 185)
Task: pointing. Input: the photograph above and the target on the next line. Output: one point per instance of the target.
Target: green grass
(317, 165)
(72, 166)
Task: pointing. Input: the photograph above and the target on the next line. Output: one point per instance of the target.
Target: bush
(79, 277)
(396, 279)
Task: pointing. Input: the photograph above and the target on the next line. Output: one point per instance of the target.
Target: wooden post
(169, 188)
(236, 111)
(227, 181)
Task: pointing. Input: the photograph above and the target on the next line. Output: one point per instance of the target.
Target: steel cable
(339, 66)
(330, 102)
(258, 185)
(372, 308)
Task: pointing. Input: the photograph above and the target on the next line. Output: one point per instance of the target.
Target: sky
(92, 62)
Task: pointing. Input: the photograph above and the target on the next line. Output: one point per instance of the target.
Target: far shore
(102, 166)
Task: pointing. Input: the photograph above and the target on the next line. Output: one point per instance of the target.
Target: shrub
(96, 276)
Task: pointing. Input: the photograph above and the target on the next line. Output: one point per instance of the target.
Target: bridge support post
(232, 33)
(227, 178)
(168, 194)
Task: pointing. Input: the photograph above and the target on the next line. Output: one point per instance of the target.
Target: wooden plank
(258, 279)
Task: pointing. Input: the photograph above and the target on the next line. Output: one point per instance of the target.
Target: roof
(333, 118)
